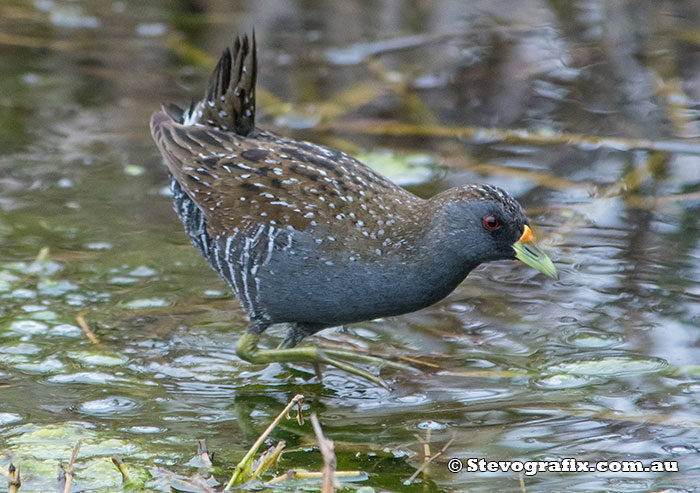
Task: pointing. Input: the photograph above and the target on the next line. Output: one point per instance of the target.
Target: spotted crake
(308, 235)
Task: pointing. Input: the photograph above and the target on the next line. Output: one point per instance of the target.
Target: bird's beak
(527, 252)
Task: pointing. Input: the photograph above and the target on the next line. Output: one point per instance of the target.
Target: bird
(308, 236)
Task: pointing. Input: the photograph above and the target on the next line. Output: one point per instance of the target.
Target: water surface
(596, 110)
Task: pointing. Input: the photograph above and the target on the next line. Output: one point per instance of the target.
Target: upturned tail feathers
(229, 103)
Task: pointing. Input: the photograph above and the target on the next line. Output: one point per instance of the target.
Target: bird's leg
(248, 350)
(298, 331)
(317, 371)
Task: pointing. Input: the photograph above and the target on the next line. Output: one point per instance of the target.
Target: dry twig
(325, 445)
(14, 477)
(204, 454)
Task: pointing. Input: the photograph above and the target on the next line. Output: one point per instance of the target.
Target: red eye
(492, 223)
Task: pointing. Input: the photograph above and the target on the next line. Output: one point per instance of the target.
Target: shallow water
(601, 364)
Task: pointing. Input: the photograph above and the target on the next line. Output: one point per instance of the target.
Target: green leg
(317, 371)
(247, 349)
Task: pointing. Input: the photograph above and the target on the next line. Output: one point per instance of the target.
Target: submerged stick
(293, 474)
(84, 326)
(428, 460)
(511, 136)
(69, 470)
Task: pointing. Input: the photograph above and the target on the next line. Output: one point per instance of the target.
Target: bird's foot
(247, 349)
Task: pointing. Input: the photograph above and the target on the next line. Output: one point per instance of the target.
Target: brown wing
(264, 178)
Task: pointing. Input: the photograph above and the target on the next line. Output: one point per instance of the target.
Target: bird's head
(483, 223)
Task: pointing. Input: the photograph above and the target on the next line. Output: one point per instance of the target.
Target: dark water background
(596, 106)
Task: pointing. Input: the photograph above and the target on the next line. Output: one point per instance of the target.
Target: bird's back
(238, 176)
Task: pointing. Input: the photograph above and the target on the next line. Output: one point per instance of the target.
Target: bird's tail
(229, 103)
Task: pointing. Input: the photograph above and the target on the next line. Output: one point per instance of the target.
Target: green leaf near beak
(527, 252)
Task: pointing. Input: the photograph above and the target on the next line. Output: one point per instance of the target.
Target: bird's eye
(492, 223)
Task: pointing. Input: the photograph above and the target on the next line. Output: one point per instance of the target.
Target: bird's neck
(440, 266)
